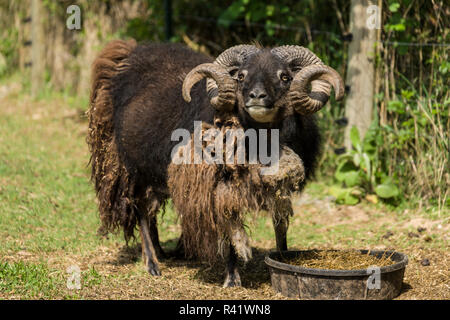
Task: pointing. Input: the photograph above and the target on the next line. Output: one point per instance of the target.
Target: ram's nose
(258, 93)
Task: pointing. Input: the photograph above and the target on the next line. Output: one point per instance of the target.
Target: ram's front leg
(232, 277)
(281, 226)
(239, 247)
(280, 219)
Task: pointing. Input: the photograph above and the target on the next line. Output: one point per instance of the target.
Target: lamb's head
(263, 81)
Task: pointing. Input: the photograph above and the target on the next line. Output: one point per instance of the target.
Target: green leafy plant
(359, 172)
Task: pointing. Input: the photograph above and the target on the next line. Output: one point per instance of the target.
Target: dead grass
(427, 282)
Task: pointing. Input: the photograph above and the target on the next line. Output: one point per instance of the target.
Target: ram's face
(262, 80)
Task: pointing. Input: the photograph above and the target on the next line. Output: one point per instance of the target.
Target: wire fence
(345, 37)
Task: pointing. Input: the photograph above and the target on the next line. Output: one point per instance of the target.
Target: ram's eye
(285, 78)
(233, 72)
(241, 77)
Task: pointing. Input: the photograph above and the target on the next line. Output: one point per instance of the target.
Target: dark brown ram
(141, 94)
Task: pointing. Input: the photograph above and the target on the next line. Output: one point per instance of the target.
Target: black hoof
(232, 280)
(153, 270)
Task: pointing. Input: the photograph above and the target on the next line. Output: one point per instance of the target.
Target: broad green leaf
(351, 199)
(337, 192)
(352, 179)
(370, 147)
(345, 195)
(356, 159)
(444, 67)
(387, 191)
(396, 106)
(370, 139)
(367, 165)
(399, 26)
(407, 94)
(231, 13)
(355, 139)
(394, 7)
(270, 10)
(343, 168)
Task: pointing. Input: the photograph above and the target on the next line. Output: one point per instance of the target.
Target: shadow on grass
(132, 253)
(405, 288)
(253, 274)
(127, 255)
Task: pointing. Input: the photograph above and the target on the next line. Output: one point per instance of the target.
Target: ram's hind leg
(148, 251)
(154, 236)
(148, 209)
(178, 252)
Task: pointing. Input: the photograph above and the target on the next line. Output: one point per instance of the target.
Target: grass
(49, 219)
(26, 280)
(44, 194)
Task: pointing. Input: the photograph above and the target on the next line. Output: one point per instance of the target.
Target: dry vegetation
(339, 260)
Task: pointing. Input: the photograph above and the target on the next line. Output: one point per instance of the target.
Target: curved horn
(230, 59)
(226, 86)
(314, 71)
(221, 87)
(320, 77)
(296, 56)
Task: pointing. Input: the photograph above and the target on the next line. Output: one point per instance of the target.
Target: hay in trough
(339, 260)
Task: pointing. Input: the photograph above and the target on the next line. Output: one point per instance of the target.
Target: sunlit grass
(26, 280)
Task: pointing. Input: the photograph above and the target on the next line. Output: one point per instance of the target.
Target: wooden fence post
(360, 71)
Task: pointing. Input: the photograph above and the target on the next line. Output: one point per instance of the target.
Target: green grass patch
(46, 199)
(26, 280)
